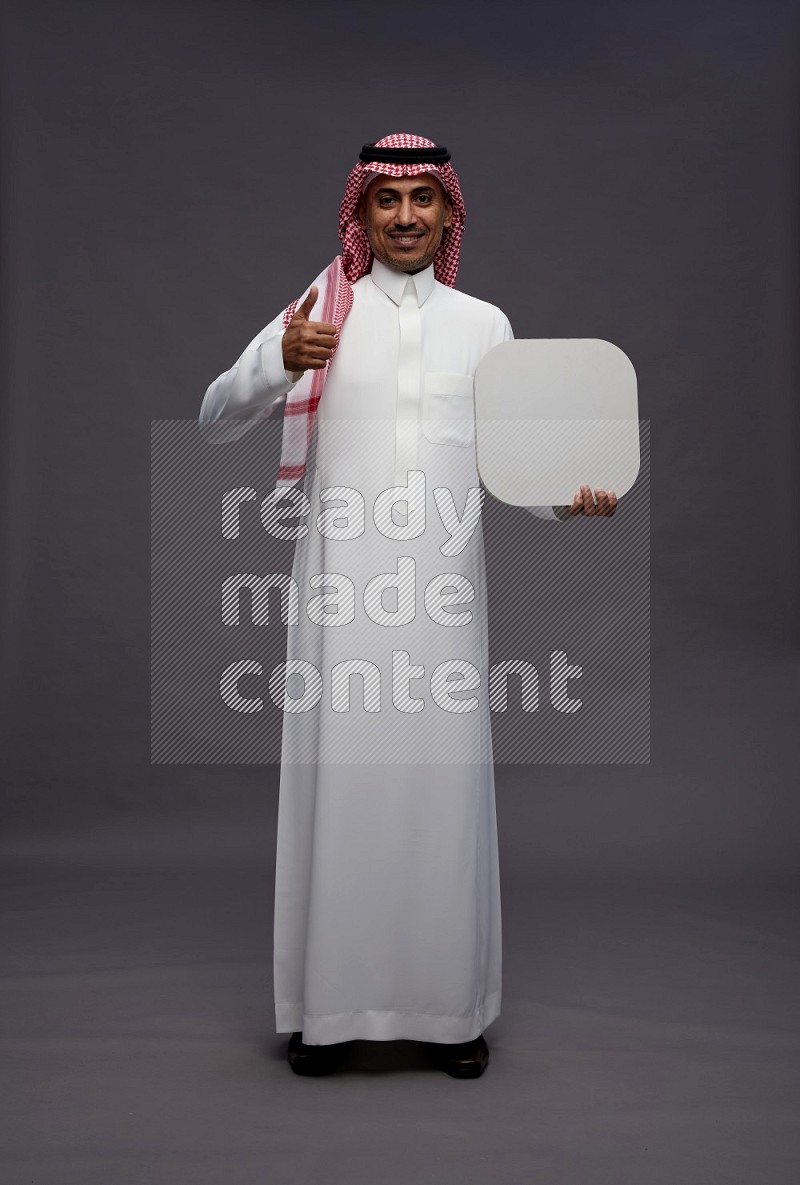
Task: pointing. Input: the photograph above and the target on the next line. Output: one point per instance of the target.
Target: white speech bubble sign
(553, 414)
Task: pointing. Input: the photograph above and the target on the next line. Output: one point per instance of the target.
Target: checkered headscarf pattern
(357, 253)
(335, 300)
(336, 294)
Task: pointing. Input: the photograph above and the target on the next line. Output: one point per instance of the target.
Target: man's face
(404, 218)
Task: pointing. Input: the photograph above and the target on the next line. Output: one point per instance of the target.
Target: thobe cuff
(546, 512)
(278, 379)
(254, 389)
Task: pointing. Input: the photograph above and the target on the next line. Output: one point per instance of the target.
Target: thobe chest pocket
(448, 408)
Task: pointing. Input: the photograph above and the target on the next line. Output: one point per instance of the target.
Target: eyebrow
(417, 189)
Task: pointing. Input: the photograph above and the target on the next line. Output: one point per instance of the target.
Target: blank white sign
(553, 414)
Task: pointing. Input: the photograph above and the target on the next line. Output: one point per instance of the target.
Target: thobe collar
(393, 283)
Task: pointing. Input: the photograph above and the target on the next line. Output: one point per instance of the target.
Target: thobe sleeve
(545, 512)
(255, 388)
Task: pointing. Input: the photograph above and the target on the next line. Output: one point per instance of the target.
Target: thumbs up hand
(307, 345)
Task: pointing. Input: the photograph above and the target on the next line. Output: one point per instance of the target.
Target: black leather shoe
(467, 1060)
(312, 1060)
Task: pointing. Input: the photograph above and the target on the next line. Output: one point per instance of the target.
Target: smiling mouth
(405, 240)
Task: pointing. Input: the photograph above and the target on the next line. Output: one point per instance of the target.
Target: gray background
(171, 176)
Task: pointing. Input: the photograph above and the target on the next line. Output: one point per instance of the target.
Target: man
(387, 905)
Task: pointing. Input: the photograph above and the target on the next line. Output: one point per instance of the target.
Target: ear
(360, 214)
(448, 212)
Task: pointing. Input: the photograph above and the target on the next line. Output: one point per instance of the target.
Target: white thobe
(387, 897)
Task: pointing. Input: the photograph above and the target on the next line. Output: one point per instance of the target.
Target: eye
(425, 198)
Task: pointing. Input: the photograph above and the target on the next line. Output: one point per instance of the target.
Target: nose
(405, 213)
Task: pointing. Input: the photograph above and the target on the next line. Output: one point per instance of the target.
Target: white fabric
(387, 905)
(255, 388)
(408, 392)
